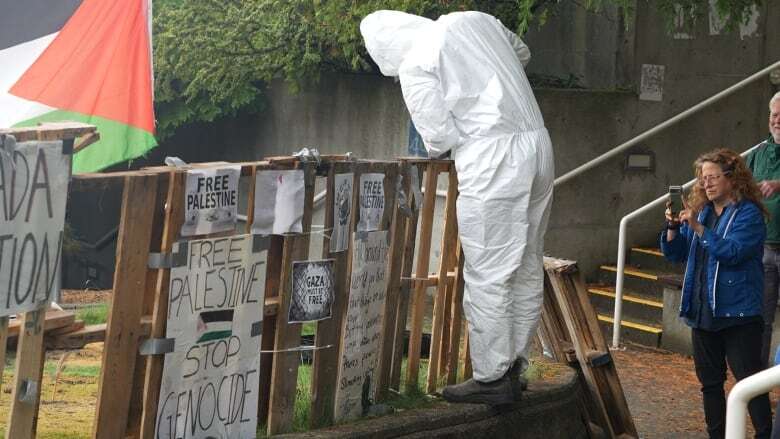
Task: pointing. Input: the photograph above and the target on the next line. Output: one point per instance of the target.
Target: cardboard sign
(278, 202)
(372, 201)
(211, 200)
(342, 211)
(312, 291)
(215, 309)
(33, 192)
(362, 325)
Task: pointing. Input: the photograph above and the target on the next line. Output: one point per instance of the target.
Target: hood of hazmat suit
(464, 84)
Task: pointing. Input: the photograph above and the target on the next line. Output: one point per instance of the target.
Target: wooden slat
(50, 131)
(53, 319)
(272, 278)
(326, 361)
(124, 318)
(284, 371)
(156, 295)
(23, 418)
(465, 356)
(457, 320)
(423, 261)
(446, 263)
(407, 261)
(3, 344)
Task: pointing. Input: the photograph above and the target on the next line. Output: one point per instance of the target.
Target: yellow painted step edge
(631, 272)
(633, 325)
(627, 298)
(647, 251)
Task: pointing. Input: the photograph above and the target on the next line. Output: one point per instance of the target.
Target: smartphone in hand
(676, 201)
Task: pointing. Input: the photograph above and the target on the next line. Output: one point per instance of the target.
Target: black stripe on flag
(225, 315)
(26, 20)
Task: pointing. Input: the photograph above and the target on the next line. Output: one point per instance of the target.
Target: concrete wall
(366, 115)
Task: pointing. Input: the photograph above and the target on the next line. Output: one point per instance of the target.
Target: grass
(93, 314)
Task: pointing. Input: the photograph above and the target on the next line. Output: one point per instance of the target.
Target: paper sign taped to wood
(211, 200)
(362, 326)
(278, 202)
(215, 309)
(651, 87)
(312, 291)
(372, 201)
(33, 191)
(342, 212)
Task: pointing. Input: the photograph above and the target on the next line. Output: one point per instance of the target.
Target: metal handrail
(621, 258)
(662, 126)
(741, 394)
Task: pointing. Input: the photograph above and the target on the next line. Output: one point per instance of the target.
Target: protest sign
(33, 191)
(278, 202)
(342, 211)
(211, 200)
(372, 201)
(362, 325)
(215, 309)
(312, 291)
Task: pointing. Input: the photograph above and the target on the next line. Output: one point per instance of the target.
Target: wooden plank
(457, 320)
(423, 261)
(26, 393)
(124, 318)
(50, 131)
(580, 317)
(326, 361)
(155, 303)
(87, 140)
(407, 260)
(53, 319)
(3, 344)
(446, 263)
(284, 371)
(272, 278)
(465, 356)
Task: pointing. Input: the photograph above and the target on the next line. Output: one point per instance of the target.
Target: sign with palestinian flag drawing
(84, 61)
(211, 381)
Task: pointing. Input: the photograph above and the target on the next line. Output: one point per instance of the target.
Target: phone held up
(676, 201)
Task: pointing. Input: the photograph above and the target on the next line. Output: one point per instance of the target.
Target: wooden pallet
(570, 329)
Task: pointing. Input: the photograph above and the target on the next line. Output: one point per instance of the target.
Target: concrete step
(653, 259)
(643, 282)
(648, 335)
(635, 307)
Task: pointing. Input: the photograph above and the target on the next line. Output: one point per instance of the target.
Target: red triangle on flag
(99, 64)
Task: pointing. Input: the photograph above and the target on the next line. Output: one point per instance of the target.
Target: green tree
(213, 58)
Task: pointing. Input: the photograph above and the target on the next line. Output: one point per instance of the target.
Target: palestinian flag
(215, 325)
(80, 60)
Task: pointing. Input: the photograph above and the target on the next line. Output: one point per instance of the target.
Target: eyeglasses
(704, 179)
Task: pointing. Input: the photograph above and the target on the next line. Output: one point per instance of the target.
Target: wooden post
(326, 361)
(124, 318)
(423, 261)
(284, 372)
(457, 320)
(174, 217)
(3, 344)
(27, 382)
(446, 262)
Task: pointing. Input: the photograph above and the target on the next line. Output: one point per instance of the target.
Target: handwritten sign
(33, 191)
(312, 291)
(278, 202)
(372, 201)
(342, 211)
(211, 200)
(215, 309)
(362, 326)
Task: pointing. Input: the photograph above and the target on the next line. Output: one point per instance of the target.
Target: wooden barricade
(569, 328)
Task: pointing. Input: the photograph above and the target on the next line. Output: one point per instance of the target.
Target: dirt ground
(663, 393)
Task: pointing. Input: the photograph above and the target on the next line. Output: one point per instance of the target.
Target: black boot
(498, 392)
(518, 379)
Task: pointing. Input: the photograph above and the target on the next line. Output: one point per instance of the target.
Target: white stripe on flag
(14, 61)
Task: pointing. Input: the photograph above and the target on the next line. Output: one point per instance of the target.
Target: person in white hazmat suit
(463, 81)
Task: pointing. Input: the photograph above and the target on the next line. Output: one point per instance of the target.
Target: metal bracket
(260, 243)
(403, 200)
(67, 146)
(157, 346)
(159, 261)
(257, 329)
(28, 391)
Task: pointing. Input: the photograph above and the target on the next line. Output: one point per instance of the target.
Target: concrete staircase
(642, 296)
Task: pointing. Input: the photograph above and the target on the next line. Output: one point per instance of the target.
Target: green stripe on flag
(214, 335)
(118, 142)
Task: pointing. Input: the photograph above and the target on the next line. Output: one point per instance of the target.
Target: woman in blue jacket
(720, 236)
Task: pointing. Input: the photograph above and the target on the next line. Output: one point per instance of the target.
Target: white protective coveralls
(463, 82)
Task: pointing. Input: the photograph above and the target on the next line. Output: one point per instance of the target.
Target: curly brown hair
(735, 169)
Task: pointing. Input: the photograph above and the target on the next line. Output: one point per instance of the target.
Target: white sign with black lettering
(312, 291)
(211, 200)
(33, 191)
(342, 212)
(362, 325)
(278, 202)
(210, 381)
(372, 201)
